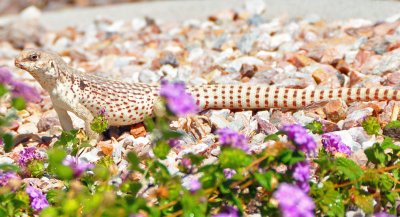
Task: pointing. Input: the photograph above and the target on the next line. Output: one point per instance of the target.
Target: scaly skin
(125, 103)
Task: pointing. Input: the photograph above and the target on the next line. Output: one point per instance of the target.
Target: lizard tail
(259, 97)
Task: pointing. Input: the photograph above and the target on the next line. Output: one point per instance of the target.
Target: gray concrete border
(177, 10)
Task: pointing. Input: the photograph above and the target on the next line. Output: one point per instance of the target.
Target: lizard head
(40, 64)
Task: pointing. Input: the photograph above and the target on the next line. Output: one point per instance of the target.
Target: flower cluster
(333, 144)
(6, 177)
(229, 173)
(294, 202)
(27, 155)
(77, 165)
(228, 211)
(301, 174)
(300, 137)
(229, 137)
(37, 199)
(179, 101)
(18, 88)
(194, 185)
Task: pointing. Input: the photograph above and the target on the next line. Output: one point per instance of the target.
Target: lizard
(129, 103)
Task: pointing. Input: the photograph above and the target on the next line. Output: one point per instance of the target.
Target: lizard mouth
(18, 64)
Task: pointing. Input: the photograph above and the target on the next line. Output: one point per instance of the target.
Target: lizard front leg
(65, 119)
(83, 113)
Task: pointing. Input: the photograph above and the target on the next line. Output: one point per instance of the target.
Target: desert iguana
(126, 103)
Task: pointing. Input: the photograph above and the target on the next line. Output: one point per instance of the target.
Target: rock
(241, 120)
(264, 124)
(348, 140)
(335, 110)
(138, 130)
(245, 44)
(390, 113)
(355, 118)
(248, 70)
(300, 60)
(218, 118)
(236, 65)
(28, 128)
(280, 119)
(141, 145)
(389, 63)
(168, 58)
(48, 120)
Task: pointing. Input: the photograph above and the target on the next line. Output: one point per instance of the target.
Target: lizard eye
(34, 57)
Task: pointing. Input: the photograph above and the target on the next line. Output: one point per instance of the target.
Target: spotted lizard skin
(126, 103)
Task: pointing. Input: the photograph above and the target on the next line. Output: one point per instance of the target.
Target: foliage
(371, 126)
(150, 189)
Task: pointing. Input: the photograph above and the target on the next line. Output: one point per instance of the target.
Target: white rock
(149, 76)
(91, 156)
(389, 62)
(195, 54)
(6, 160)
(235, 65)
(28, 128)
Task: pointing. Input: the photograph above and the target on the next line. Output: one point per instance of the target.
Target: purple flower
(102, 112)
(6, 177)
(77, 165)
(333, 144)
(29, 93)
(174, 143)
(229, 173)
(194, 185)
(179, 101)
(228, 211)
(5, 76)
(382, 214)
(186, 162)
(37, 199)
(27, 155)
(230, 137)
(293, 202)
(300, 137)
(301, 174)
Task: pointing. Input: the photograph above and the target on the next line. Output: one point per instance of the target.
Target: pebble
(27, 128)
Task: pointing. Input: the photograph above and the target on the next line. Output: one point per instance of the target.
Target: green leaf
(273, 137)
(315, 127)
(49, 212)
(99, 124)
(149, 123)
(68, 138)
(290, 157)
(234, 158)
(3, 90)
(18, 103)
(8, 142)
(9, 167)
(328, 199)
(133, 159)
(371, 126)
(393, 124)
(388, 144)
(375, 154)
(36, 168)
(349, 168)
(161, 149)
(194, 159)
(365, 202)
(170, 134)
(265, 179)
(385, 183)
